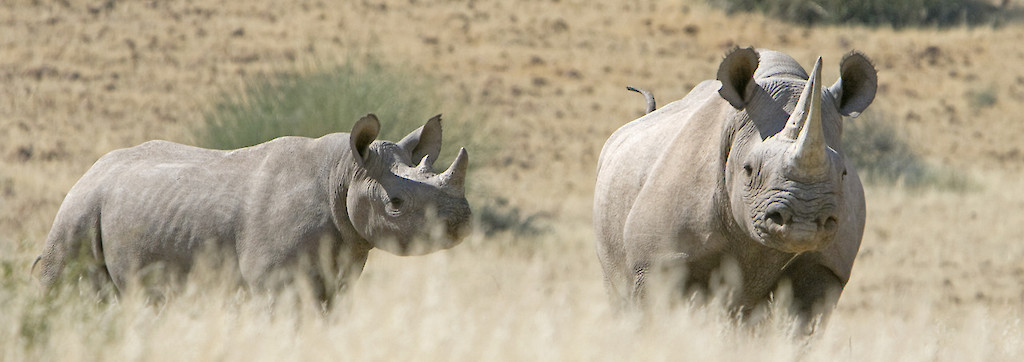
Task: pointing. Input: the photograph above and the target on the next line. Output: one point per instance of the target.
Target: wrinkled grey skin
(746, 171)
(289, 207)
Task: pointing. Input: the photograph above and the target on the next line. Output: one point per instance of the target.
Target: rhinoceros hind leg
(73, 250)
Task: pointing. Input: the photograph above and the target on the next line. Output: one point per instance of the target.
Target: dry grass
(940, 274)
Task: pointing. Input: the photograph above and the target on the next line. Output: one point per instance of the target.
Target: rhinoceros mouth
(457, 223)
(444, 234)
(792, 237)
(764, 237)
(458, 231)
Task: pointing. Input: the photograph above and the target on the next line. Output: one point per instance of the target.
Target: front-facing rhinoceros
(746, 170)
(314, 207)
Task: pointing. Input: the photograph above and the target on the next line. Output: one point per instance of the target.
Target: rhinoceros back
(165, 202)
(626, 164)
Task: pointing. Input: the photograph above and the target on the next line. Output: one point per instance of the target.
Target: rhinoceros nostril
(830, 223)
(776, 217)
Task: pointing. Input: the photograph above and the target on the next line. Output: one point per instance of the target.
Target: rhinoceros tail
(647, 95)
(32, 270)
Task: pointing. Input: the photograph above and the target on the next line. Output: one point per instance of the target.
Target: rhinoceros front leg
(349, 267)
(326, 266)
(815, 290)
(659, 279)
(638, 290)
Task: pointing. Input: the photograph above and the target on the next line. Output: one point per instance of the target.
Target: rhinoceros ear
(857, 84)
(363, 133)
(736, 73)
(424, 141)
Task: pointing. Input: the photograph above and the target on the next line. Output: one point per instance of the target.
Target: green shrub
(327, 100)
(881, 155)
(896, 13)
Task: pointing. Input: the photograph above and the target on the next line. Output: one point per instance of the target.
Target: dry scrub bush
(895, 13)
(882, 155)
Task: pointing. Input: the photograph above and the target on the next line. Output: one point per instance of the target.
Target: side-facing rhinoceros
(746, 170)
(318, 205)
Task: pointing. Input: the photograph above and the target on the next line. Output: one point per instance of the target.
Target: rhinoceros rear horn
(363, 133)
(455, 176)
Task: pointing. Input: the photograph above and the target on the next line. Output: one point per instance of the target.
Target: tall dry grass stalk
(482, 302)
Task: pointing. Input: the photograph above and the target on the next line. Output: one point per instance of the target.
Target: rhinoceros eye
(748, 170)
(394, 205)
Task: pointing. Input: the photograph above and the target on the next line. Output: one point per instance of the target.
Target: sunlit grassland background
(532, 89)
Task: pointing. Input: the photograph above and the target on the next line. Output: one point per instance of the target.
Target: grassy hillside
(939, 276)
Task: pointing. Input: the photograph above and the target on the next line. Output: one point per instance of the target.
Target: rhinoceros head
(785, 172)
(396, 200)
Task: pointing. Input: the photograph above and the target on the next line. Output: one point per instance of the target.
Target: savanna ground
(940, 273)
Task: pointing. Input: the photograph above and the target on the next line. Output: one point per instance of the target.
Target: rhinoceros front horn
(809, 157)
(455, 176)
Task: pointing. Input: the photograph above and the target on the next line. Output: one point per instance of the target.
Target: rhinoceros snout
(457, 224)
(792, 232)
(459, 230)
